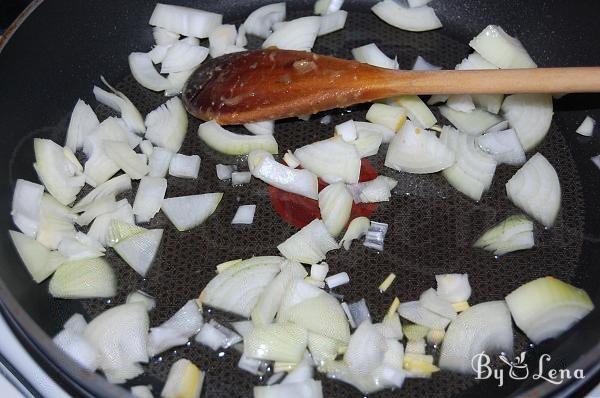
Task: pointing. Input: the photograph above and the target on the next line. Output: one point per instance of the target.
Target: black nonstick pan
(58, 49)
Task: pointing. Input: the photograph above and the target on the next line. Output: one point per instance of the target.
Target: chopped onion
(76, 323)
(163, 36)
(185, 380)
(58, 170)
(546, 307)
(412, 19)
(323, 349)
(419, 151)
(146, 147)
(416, 313)
(323, 315)
(474, 170)
(284, 342)
(310, 244)
(263, 166)
(99, 167)
(244, 214)
(475, 62)
(149, 198)
(237, 288)
(415, 347)
(83, 121)
(417, 3)
(332, 22)
(512, 234)
(485, 327)
(176, 330)
(530, 115)
(472, 123)
(100, 228)
(177, 81)
(335, 204)
(305, 389)
(435, 336)
(366, 349)
(596, 160)
(460, 306)
(359, 312)
(144, 72)
(140, 249)
(187, 212)
(419, 365)
(120, 103)
(80, 247)
(220, 38)
(336, 280)
(431, 301)
(372, 55)
(260, 21)
(39, 261)
(418, 112)
(297, 292)
(211, 337)
(303, 371)
(159, 162)
(183, 56)
(535, 189)
(243, 327)
(88, 278)
(346, 130)
(185, 21)
(184, 166)
(119, 231)
(324, 120)
(241, 40)
(26, 203)
(390, 327)
(229, 143)
(266, 127)
(76, 347)
(504, 146)
(298, 34)
(415, 332)
(167, 125)
(377, 190)
(224, 171)
(461, 103)
(240, 178)
(422, 64)
(126, 158)
(392, 117)
(586, 128)
(501, 49)
(142, 391)
(324, 7)
(332, 160)
(453, 287)
(141, 297)
(56, 222)
(157, 55)
(102, 205)
(488, 102)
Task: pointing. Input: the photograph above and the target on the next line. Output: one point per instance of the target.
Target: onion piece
(392, 117)
(167, 125)
(366, 129)
(472, 123)
(305, 389)
(336, 280)
(501, 49)
(416, 313)
(485, 327)
(102, 205)
(530, 115)
(376, 190)
(231, 338)
(142, 391)
(419, 151)
(99, 167)
(335, 204)
(159, 162)
(596, 160)
(185, 380)
(185, 21)
(229, 143)
(146, 147)
(177, 81)
(454, 288)
(139, 250)
(417, 3)
(260, 21)
(347, 131)
(319, 271)
(254, 366)
(88, 278)
(266, 127)
(284, 342)
(391, 327)
(80, 247)
(211, 337)
(163, 36)
(76, 347)
(149, 198)
(176, 330)
(372, 55)
(412, 19)
(310, 244)
(324, 7)
(297, 291)
(58, 170)
(39, 261)
(224, 171)
(126, 158)
(157, 55)
(263, 166)
(244, 214)
(366, 349)
(415, 347)
(99, 230)
(323, 315)
(26, 203)
(56, 222)
(184, 166)
(586, 128)
(512, 234)
(120, 103)
(112, 187)
(504, 146)
(332, 22)
(535, 189)
(83, 121)
(359, 312)
(332, 160)
(240, 178)
(422, 64)
(431, 301)
(220, 38)
(298, 34)
(144, 72)
(76, 324)
(418, 112)
(303, 371)
(546, 307)
(488, 102)
(368, 142)
(187, 212)
(415, 332)
(461, 103)
(183, 56)
(323, 349)
(119, 231)
(141, 297)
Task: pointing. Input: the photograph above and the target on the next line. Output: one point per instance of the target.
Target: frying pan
(57, 49)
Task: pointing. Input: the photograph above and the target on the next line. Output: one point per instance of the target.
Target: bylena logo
(519, 370)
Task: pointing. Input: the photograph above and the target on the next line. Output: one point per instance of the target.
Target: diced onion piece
(369, 140)
(54, 225)
(412, 19)
(586, 128)
(142, 391)
(157, 55)
(332, 160)
(291, 160)
(461, 103)
(39, 261)
(419, 151)
(530, 115)
(237, 288)
(89, 278)
(304, 389)
(453, 287)
(230, 143)
(141, 297)
(224, 171)
(366, 349)
(347, 131)
(366, 129)
(488, 102)
(185, 21)
(177, 81)
(126, 158)
(187, 212)
(76, 347)
(240, 178)
(145, 73)
(99, 167)
(512, 234)
(120, 103)
(260, 21)
(377, 190)
(58, 170)
(422, 64)
(276, 342)
(419, 366)
(546, 307)
(387, 282)
(475, 62)
(535, 189)
(319, 271)
(372, 55)
(163, 36)
(483, 328)
(472, 123)
(338, 279)
(139, 250)
(184, 166)
(415, 347)
(241, 40)
(298, 34)
(302, 372)
(332, 22)
(167, 125)
(102, 205)
(415, 332)
(176, 330)
(146, 147)
(418, 112)
(431, 301)
(504, 146)
(255, 367)
(416, 313)
(323, 315)
(76, 323)
(83, 121)
(159, 162)
(596, 160)
(183, 56)
(460, 306)
(266, 127)
(263, 166)
(231, 337)
(392, 117)
(80, 247)
(119, 231)
(435, 336)
(501, 49)
(335, 204)
(244, 214)
(324, 7)
(221, 38)
(390, 327)
(149, 198)
(359, 312)
(417, 3)
(185, 380)
(211, 337)
(26, 203)
(310, 244)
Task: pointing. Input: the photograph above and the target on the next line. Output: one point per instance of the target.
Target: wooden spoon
(274, 84)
